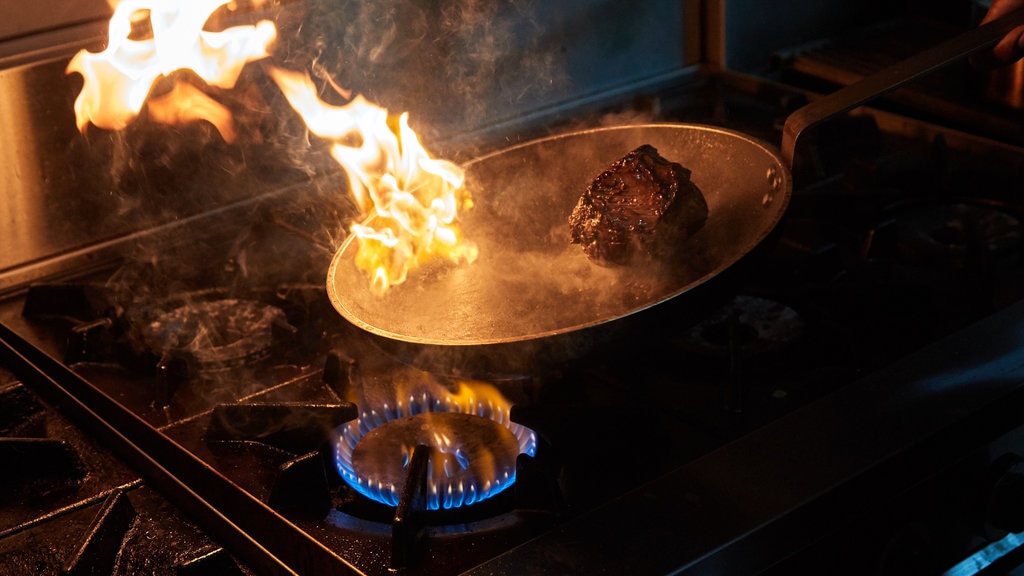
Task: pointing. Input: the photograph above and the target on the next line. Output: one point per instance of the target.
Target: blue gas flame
(442, 493)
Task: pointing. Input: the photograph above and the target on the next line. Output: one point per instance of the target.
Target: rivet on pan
(773, 178)
(774, 182)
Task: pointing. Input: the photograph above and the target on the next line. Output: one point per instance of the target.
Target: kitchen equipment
(531, 291)
(840, 377)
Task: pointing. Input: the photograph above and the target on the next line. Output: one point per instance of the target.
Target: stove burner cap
(216, 334)
(474, 445)
(471, 456)
(947, 236)
(755, 325)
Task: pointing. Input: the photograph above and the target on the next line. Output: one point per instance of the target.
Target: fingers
(1011, 47)
(1001, 8)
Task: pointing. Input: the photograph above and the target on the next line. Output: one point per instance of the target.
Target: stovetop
(816, 377)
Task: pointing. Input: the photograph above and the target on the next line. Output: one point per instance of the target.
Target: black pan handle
(893, 77)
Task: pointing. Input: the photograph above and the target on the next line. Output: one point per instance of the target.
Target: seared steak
(641, 206)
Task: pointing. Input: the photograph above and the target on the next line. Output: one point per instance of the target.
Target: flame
(426, 398)
(118, 80)
(185, 103)
(411, 200)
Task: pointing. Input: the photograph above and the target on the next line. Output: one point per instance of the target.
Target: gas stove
(182, 398)
(810, 367)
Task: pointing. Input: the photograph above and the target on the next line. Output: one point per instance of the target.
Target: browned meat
(642, 206)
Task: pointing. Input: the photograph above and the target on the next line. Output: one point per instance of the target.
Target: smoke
(452, 64)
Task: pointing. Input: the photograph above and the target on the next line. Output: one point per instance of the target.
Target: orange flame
(185, 103)
(411, 199)
(118, 80)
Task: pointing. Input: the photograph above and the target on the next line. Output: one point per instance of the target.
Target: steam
(452, 64)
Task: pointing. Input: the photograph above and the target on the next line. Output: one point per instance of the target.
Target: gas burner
(216, 334)
(751, 324)
(957, 236)
(473, 446)
(467, 452)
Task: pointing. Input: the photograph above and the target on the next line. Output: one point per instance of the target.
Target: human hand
(1011, 47)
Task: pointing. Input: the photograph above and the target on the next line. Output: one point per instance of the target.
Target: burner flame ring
(474, 447)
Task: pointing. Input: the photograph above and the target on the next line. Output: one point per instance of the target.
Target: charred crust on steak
(641, 207)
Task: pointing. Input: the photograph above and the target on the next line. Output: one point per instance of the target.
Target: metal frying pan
(528, 281)
(530, 285)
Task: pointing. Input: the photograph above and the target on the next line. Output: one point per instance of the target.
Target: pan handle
(893, 77)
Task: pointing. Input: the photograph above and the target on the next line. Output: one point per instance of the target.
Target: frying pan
(528, 283)
(531, 297)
